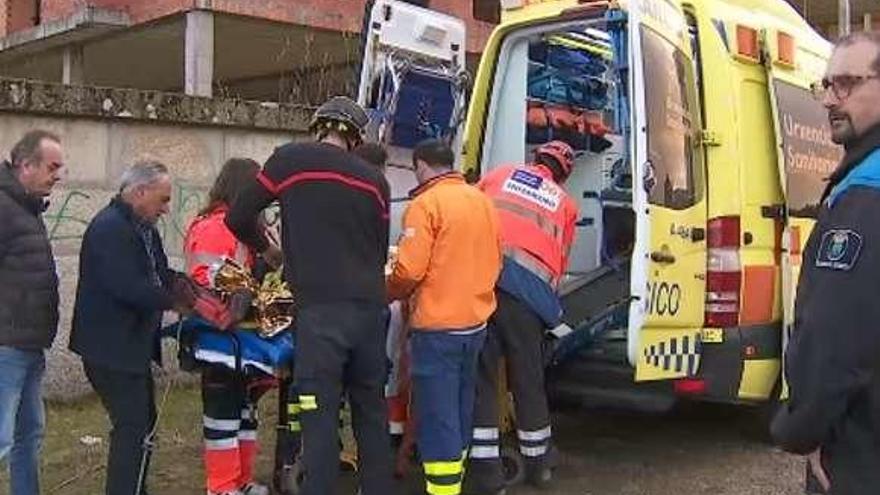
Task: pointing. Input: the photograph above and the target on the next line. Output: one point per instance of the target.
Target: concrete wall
(96, 152)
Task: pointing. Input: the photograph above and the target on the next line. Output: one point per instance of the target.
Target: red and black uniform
(334, 223)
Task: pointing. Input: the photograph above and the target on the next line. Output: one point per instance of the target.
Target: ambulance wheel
(513, 466)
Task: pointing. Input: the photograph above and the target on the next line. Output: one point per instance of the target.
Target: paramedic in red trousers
(124, 286)
(831, 360)
(537, 229)
(229, 400)
(449, 257)
(334, 224)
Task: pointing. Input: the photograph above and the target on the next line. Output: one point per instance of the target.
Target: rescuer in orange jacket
(537, 228)
(449, 257)
(228, 399)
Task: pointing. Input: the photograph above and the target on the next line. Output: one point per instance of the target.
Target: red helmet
(561, 152)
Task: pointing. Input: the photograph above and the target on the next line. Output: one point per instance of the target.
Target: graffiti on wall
(76, 208)
(68, 222)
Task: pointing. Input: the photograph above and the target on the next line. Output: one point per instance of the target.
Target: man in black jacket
(334, 223)
(28, 302)
(832, 358)
(124, 286)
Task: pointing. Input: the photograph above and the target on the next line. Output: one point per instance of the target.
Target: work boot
(539, 475)
(255, 489)
(500, 491)
(483, 478)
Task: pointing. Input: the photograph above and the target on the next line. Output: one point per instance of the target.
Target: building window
(487, 11)
(21, 15)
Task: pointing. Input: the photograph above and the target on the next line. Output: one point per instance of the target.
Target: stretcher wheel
(513, 466)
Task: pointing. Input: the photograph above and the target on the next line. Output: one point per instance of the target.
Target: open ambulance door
(669, 196)
(806, 155)
(413, 84)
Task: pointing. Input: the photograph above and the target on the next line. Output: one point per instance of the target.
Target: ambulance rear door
(806, 156)
(669, 196)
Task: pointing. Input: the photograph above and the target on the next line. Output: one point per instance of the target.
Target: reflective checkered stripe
(681, 355)
(534, 443)
(485, 444)
(444, 477)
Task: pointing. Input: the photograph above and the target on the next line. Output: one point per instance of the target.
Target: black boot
(539, 474)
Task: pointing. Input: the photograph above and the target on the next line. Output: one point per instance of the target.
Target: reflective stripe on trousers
(534, 443)
(485, 444)
(444, 477)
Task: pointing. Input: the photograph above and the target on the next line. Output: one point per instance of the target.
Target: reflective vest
(537, 219)
(207, 242)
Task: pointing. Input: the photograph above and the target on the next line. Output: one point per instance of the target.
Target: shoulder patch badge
(534, 188)
(839, 249)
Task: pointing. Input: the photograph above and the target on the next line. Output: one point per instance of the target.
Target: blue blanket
(218, 347)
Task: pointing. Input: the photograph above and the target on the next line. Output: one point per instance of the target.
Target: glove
(239, 305)
(183, 292)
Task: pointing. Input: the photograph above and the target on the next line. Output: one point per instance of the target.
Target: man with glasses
(831, 361)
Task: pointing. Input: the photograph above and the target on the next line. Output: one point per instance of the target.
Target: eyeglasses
(841, 86)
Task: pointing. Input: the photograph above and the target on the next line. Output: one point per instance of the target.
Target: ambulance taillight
(723, 273)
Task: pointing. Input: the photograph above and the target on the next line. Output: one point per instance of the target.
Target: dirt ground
(700, 449)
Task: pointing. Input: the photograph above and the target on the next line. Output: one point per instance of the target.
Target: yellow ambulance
(701, 159)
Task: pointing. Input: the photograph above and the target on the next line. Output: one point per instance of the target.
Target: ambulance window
(809, 156)
(671, 123)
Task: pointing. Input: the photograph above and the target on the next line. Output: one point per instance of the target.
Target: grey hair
(142, 174)
(862, 36)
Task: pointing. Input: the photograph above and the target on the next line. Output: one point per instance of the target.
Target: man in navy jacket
(832, 357)
(124, 286)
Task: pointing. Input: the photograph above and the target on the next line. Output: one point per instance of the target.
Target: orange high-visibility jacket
(537, 218)
(207, 242)
(449, 256)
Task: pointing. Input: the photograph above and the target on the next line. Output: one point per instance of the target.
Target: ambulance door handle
(698, 234)
(663, 257)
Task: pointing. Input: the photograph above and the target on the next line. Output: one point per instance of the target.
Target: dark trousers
(341, 346)
(130, 403)
(444, 372)
(515, 333)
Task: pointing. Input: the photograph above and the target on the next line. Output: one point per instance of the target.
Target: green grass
(69, 467)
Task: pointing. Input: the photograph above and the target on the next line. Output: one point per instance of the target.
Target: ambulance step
(589, 295)
(588, 383)
(585, 396)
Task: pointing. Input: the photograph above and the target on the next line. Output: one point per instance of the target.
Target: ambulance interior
(569, 82)
(564, 80)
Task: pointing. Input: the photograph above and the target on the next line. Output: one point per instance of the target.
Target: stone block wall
(193, 136)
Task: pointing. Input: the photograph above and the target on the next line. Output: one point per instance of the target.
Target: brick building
(275, 50)
(824, 14)
(278, 50)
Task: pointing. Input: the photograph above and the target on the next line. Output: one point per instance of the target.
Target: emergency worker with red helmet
(537, 228)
